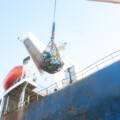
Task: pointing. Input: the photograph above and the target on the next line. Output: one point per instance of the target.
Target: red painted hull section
(13, 77)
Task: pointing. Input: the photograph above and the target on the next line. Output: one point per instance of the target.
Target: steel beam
(109, 1)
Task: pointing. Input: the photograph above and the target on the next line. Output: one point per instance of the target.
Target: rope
(54, 11)
(53, 25)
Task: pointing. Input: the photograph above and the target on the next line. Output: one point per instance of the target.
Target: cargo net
(50, 60)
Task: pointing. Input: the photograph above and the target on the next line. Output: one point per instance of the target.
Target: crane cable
(53, 25)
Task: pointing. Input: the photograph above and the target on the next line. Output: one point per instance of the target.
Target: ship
(92, 93)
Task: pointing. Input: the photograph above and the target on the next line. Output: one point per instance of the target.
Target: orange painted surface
(13, 77)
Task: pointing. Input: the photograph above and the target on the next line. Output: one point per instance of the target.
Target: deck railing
(91, 69)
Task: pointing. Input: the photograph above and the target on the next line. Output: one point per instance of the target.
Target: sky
(91, 29)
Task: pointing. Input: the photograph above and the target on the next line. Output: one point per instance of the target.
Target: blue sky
(92, 29)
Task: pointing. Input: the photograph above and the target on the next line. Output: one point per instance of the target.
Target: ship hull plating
(96, 97)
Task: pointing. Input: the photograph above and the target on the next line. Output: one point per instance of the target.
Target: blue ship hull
(96, 97)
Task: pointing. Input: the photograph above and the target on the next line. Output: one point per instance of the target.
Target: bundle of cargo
(50, 60)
